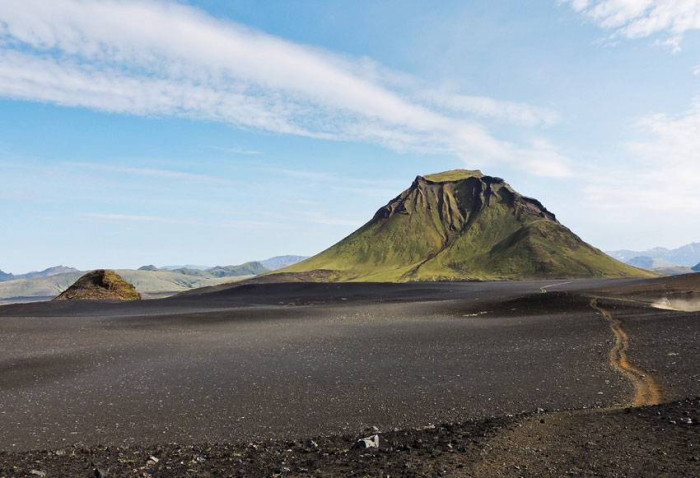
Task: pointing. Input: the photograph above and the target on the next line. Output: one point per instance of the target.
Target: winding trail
(647, 390)
(544, 289)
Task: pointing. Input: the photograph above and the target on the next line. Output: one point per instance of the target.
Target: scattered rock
(98, 473)
(369, 442)
(312, 444)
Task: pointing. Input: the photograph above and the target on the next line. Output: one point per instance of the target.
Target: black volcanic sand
(642, 442)
(272, 364)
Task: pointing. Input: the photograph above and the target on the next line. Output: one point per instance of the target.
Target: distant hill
(270, 264)
(459, 225)
(186, 266)
(44, 287)
(150, 284)
(687, 256)
(249, 268)
(279, 262)
(100, 285)
(51, 271)
(696, 268)
(673, 270)
(149, 280)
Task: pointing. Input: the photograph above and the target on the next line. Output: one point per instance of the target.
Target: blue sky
(215, 132)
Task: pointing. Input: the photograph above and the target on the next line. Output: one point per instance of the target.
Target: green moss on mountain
(100, 285)
(454, 175)
(461, 225)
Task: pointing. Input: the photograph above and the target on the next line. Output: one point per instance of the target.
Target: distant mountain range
(458, 225)
(149, 280)
(681, 260)
(51, 271)
(279, 262)
(271, 264)
(247, 269)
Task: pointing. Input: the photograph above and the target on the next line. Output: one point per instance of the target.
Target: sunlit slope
(460, 225)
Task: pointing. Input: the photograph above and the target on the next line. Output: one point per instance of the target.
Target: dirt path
(647, 390)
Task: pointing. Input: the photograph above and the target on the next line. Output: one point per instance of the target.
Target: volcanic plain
(462, 378)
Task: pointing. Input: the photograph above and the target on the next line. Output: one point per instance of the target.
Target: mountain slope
(459, 225)
(45, 287)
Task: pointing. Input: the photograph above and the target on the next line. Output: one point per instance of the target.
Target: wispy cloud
(502, 111)
(376, 188)
(663, 182)
(314, 217)
(643, 18)
(156, 58)
(137, 218)
(236, 151)
(154, 173)
(152, 219)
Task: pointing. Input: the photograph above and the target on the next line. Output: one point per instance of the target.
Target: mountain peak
(452, 175)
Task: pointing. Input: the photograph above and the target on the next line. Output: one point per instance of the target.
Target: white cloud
(311, 217)
(154, 173)
(165, 59)
(662, 183)
(137, 218)
(236, 151)
(504, 111)
(365, 187)
(643, 18)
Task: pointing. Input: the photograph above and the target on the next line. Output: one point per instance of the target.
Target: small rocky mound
(100, 285)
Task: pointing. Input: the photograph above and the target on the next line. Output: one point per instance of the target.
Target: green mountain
(459, 225)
